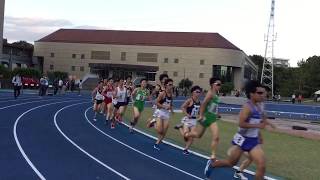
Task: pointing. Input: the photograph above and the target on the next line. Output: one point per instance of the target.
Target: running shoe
(178, 126)
(151, 123)
(208, 169)
(156, 146)
(131, 129)
(112, 126)
(185, 152)
(239, 175)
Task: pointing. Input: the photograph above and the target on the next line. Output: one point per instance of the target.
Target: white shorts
(189, 122)
(163, 114)
(155, 113)
(114, 101)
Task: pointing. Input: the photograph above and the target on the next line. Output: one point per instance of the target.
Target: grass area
(289, 157)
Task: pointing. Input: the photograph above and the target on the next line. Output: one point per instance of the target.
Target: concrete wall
(188, 66)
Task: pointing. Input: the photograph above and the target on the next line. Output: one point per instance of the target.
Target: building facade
(19, 55)
(197, 56)
(2, 5)
(280, 62)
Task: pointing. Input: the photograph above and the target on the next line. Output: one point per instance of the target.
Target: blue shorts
(245, 143)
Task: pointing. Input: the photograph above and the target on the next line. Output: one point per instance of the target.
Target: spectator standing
(17, 84)
(293, 98)
(80, 87)
(300, 98)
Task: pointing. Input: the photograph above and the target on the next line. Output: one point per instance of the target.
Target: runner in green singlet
(139, 95)
(209, 115)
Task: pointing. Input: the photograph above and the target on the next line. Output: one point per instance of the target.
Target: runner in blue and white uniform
(164, 105)
(158, 89)
(190, 108)
(248, 137)
(97, 98)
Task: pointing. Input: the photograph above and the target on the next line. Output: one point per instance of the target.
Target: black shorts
(99, 101)
(128, 100)
(119, 104)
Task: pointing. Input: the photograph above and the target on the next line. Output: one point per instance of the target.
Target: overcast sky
(243, 22)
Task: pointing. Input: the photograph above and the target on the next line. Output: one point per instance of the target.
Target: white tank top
(121, 94)
(99, 96)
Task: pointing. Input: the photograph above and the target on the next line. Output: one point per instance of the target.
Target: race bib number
(195, 111)
(139, 97)
(213, 108)
(109, 94)
(238, 139)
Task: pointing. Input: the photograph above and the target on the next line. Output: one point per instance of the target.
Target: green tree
(26, 72)
(258, 60)
(185, 84)
(57, 74)
(227, 87)
(4, 72)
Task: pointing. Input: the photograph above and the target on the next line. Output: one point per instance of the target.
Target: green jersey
(140, 98)
(211, 111)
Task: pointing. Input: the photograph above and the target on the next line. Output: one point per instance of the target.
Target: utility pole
(267, 69)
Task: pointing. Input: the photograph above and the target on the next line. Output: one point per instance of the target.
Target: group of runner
(112, 98)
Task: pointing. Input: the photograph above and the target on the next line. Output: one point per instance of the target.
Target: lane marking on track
(146, 155)
(18, 142)
(81, 149)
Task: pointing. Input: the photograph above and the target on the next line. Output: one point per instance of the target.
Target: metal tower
(267, 69)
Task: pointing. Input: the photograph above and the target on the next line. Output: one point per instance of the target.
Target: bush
(26, 72)
(4, 72)
(57, 74)
(185, 83)
(227, 87)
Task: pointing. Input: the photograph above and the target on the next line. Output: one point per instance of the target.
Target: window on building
(74, 56)
(81, 68)
(51, 67)
(176, 60)
(202, 62)
(147, 57)
(201, 75)
(175, 74)
(150, 76)
(83, 56)
(165, 72)
(101, 55)
(51, 54)
(73, 68)
(123, 56)
(166, 60)
(225, 73)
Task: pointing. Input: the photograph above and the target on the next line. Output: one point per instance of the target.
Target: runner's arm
(161, 95)
(94, 93)
(206, 100)
(185, 105)
(243, 116)
(134, 92)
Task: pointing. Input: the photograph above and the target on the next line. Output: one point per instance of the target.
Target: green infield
(288, 156)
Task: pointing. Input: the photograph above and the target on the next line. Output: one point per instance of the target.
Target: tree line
(304, 79)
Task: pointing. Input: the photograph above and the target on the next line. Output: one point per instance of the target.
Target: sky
(242, 22)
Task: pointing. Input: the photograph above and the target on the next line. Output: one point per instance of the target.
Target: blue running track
(55, 138)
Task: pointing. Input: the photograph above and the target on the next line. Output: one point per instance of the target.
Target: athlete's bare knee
(216, 139)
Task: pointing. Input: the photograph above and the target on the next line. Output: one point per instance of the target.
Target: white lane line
(18, 142)
(153, 158)
(85, 152)
(19, 99)
(193, 152)
(6, 107)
